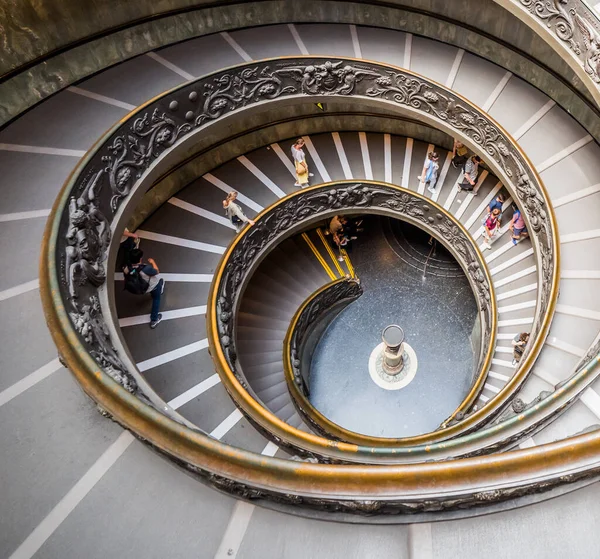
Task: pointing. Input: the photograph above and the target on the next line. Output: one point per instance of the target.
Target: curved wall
(47, 51)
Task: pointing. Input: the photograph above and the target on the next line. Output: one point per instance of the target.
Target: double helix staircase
(62, 457)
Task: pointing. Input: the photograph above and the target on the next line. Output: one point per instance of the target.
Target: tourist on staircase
(302, 173)
(234, 212)
(491, 227)
(471, 170)
(519, 342)
(143, 278)
(517, 227)
(497, 202)
(430, 171)
(459, 155)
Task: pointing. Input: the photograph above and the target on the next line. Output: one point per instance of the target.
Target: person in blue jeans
(156, 285)
(430, 171)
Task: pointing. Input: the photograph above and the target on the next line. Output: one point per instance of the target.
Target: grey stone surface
(580, 293)
(572, 255)
(432, 58)
(271, 534)
(384, 45)
(273, 41)
(143, 507)
(579, 215)
(572, 422)
(32, 181)
(554, 132)
(437, 316)
(563, 527)
(375, 143)
(174, 378)
(477, 78)
(193, 55)
(578, 171)
(51, 123)
(244, 435)
(51, 435)
(326, 39)
(209, 409)
(134, 81)
(19, 249)
(145, 343)
(573, 330)
(25, 343)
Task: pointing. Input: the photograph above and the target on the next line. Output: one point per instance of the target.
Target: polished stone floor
(437, 312)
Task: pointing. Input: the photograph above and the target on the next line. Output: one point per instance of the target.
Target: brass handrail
(296, 437)
(331, 484)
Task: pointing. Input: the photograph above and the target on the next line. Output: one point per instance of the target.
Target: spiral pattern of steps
(71, 477)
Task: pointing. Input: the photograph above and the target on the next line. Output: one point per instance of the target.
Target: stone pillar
(393, 353)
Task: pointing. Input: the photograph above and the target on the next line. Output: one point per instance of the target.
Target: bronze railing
(72, 271)
(296, 212)
(115, 168)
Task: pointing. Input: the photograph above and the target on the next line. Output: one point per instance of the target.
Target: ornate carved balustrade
(296, 212)
(136, 147)
(92, 207)
(569, 25)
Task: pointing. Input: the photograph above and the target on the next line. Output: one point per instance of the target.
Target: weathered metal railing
(311, 319)
(73, 274)
(296, 212)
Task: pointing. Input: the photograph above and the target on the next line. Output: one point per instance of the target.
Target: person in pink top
(518, 227)
(490, 228)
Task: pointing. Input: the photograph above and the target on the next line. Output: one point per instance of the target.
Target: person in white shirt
(300, 164)
(234, 212)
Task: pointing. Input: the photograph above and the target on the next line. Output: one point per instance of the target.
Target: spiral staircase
(211, 390)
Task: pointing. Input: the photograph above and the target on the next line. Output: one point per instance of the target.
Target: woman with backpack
(459, 155)
(143, 278)
(234, 212)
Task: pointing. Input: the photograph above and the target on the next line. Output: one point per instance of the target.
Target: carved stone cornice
(575, 25)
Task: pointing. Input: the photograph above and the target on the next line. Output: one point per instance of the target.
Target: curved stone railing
(318, 310)
(72, 276)
(302, 336)
(139, 148)
(571, 27)
(296, 212)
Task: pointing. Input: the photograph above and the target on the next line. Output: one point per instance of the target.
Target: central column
(393, 353)
(393, 363)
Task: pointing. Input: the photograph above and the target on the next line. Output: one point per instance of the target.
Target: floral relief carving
(574, 24)
(118, 165)
(323, 201)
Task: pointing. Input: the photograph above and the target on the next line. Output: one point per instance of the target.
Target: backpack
(134, 282)
(235, 220)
